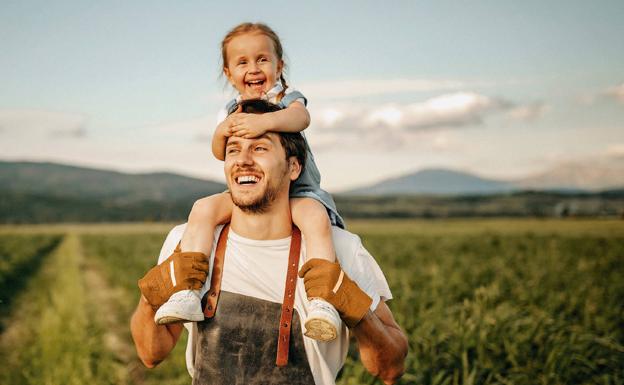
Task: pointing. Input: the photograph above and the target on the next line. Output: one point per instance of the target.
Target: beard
(257, 205)
(261, 203)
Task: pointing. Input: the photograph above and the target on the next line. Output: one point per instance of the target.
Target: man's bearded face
(256, 171)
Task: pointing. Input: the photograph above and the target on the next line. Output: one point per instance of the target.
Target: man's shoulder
(171, 241)
(343, 235)
(345, 242)
(175, 234)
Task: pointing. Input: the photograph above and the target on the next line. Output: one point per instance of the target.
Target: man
(248, 326)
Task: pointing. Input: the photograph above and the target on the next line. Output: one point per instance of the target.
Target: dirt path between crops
(115, 337)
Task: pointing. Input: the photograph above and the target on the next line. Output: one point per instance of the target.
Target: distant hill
(63, 181)
(434, 181)
(596, 175)
(571, 177)
(32, 192)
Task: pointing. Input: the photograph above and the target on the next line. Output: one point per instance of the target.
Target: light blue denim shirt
(309, 182)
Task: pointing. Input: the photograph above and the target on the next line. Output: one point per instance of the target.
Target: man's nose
(244, 158)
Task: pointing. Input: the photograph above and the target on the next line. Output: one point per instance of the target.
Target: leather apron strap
(289, 298)
(285, 324)
(217, 274)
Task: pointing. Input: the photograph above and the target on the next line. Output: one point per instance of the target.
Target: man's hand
(249, 126)
(326, 280)
(182, 270)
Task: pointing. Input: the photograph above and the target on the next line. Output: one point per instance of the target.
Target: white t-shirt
(257, 268)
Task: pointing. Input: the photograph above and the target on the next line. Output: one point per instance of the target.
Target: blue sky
(499, 88)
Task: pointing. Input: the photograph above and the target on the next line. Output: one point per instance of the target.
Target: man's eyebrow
(232, 142)
(264, 136)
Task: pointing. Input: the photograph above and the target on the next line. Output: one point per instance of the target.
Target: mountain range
(48, 192)
(598, 175)
(58, 180)
(32, 192)
(67, 181)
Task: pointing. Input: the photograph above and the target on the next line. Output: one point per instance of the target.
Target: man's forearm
(382, 344)
(153, 342)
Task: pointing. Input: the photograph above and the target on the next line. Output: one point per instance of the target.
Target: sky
(502, 89)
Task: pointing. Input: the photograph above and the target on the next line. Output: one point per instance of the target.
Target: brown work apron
(237, 343)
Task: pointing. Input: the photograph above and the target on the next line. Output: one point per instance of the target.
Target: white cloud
(349, 89)
(615, 150)
(399, 125)
(403, 126)
(199, 129)
(449, 110)
(28, 122)
(616, 92)
(528, 112)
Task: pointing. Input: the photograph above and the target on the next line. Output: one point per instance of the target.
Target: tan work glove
(326, 280)
(190, 271)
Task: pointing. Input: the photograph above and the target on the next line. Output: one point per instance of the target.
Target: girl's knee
(309, 213)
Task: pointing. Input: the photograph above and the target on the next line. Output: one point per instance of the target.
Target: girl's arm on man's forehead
(294, 118)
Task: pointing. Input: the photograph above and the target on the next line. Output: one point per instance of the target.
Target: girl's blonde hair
(261, 28)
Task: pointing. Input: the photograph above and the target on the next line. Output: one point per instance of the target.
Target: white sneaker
(323, 320)
(182, 306)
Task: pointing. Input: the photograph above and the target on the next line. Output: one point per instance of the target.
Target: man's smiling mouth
(247, 179)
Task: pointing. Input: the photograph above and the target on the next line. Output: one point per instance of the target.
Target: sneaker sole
(320, 330)
(178, 318)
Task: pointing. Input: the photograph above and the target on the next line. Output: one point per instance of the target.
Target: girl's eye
(263, 59)
(240, 62)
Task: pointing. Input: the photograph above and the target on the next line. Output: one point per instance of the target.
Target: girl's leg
(207, 213)
(322, 321)
(311, 217)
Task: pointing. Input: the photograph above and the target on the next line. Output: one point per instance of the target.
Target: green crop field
(517, 301)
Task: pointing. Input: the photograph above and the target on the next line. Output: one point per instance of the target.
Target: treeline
(521, 204)
(18, 208)
(38, 208)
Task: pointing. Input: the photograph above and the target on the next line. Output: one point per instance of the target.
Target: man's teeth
(246, 179)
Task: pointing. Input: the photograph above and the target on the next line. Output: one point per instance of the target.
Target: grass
(481, 301)
(20, 257)
(507, 307)
(54, 336)
(123, 259)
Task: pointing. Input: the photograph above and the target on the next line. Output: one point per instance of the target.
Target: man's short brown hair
(293, 142)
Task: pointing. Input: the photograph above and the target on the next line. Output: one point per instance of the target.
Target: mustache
(246, 169)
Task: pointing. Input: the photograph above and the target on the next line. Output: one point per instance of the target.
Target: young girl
(252, 62)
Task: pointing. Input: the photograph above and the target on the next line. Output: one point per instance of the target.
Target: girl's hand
(223, 129)
(249, 125)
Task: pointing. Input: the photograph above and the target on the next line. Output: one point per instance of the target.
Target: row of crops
(482, 302)
(20, 255)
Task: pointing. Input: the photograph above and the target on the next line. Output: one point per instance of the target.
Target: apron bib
(238, 342)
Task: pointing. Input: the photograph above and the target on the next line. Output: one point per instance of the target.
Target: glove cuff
(356, 303)
(152, 292)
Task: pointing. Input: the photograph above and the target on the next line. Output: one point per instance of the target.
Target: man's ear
(294, 168)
